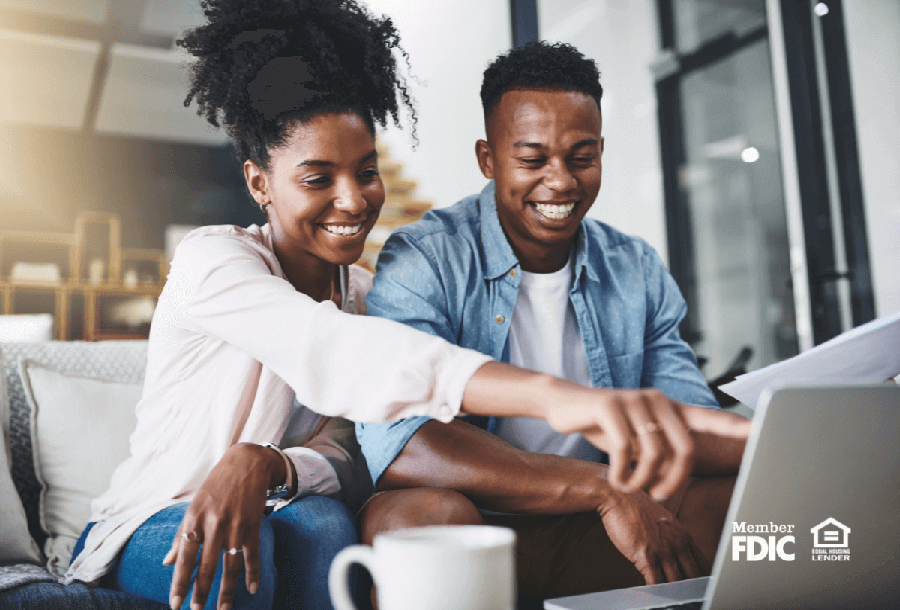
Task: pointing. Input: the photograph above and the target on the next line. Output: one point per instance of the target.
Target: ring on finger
(234, 551)
(649, 428)
(191, 537)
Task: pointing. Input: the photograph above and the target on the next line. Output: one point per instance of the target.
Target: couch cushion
(79, 434)
(23, 574)
(54, 596)
(122, 361)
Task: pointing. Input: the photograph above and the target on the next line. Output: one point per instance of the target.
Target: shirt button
(513, 273)
(499, 319)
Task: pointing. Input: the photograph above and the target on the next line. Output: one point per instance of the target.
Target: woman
(251, 346)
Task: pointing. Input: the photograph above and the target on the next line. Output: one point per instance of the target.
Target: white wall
(621, 36)
(873, 40)
(449, 44)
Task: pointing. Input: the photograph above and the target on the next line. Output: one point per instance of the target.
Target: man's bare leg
(557, 555)
(398, 509)
(703, 511)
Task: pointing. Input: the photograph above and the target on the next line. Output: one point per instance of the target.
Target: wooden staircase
(400, 206)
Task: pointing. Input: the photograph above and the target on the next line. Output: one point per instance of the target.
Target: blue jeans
(296, 547)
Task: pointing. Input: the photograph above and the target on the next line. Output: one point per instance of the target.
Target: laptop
(814, 521)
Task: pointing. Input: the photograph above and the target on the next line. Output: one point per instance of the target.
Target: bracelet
(288, 485)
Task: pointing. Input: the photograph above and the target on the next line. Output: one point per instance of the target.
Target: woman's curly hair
(263, 65)
(540, 65)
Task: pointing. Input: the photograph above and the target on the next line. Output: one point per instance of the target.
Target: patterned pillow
(122, 361)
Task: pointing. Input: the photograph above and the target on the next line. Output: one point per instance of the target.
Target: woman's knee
(418, 507)
(308, 535)
(264, 597)
(268, 574)
(140, 569)
(315, 519)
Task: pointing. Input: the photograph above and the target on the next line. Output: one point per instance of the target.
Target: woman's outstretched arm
(373, 369)
(666, 441)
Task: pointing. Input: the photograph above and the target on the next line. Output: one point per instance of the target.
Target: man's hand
(225, 514)
(651, 538)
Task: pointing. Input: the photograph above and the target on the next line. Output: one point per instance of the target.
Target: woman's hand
(639, 428)
(224, 515)
(661, 438)
(664, 441)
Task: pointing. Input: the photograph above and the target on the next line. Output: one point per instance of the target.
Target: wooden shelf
(95, 269)
(119, 278)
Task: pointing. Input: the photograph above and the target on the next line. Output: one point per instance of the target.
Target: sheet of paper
(869, 353)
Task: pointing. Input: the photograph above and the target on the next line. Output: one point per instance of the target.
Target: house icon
(831, 533)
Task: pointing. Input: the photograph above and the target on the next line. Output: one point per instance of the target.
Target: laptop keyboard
(697, 605)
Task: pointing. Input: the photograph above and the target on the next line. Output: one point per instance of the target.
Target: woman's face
(322, 190)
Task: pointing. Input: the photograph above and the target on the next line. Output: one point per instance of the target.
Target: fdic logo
(757, 548)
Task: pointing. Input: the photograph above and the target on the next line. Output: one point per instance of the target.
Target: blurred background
(754, 143)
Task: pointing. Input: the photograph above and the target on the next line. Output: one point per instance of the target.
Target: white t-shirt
(544, 337)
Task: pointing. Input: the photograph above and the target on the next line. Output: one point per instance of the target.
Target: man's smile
(343, 230)
(555, 211)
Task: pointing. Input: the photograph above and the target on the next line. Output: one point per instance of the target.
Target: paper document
(866, 354)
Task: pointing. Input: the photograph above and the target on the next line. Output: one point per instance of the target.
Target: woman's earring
(263, 206)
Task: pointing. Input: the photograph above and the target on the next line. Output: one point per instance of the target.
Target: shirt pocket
(626, 369)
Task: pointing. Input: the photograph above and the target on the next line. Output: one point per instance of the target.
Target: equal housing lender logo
(830, 541)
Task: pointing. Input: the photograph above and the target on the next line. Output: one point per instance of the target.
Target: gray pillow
(100, 416)
(122, 361)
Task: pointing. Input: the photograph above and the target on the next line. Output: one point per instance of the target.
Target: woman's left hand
(225, 515)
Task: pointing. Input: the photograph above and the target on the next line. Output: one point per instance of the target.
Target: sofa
(67, 412)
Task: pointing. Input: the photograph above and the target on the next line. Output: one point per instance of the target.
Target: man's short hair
(540, 65)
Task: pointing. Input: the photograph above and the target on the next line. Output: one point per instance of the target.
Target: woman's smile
(346, 231)
(323, 190)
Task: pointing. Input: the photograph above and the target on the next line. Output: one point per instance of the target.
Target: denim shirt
(453, 274)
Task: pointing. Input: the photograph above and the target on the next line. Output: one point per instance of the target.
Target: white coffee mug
(446, 567)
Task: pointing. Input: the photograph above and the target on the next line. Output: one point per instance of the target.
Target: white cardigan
(231, 344)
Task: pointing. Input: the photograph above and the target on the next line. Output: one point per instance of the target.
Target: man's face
(543, 153)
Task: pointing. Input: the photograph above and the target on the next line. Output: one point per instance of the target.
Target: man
(518, 273)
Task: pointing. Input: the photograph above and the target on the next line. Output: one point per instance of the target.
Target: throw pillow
(80, 429)
(122, 361)
(16, 544)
